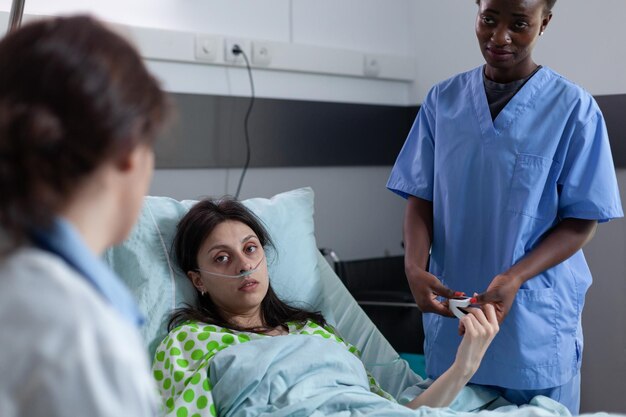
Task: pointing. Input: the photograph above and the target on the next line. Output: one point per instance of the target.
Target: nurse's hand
(425, 288)
(501, 293)
(478, 328)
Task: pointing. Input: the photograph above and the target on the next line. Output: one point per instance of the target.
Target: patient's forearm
(445, 388)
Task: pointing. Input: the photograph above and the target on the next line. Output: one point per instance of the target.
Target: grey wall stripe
(290, 133)
(209, 133)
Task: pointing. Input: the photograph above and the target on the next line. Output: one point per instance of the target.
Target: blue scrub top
(497, 188)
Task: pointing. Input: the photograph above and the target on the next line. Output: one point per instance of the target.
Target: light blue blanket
(300, 375)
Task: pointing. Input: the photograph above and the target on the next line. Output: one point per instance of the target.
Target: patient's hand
(425, 288)
(479, 327)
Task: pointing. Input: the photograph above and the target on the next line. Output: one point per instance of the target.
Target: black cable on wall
(237, 51)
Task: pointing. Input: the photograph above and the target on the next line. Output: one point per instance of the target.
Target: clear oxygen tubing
(241, 275)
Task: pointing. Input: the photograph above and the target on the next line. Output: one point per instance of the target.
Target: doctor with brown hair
(78, 117)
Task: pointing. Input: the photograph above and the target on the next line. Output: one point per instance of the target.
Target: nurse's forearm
(565, 239)
(418, 232)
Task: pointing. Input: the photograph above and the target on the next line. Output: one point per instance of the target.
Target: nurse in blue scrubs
(507, 170)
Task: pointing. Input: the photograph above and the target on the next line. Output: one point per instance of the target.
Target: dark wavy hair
(73, 95)
(192, 230)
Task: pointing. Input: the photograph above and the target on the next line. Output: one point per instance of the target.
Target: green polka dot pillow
(143, 260)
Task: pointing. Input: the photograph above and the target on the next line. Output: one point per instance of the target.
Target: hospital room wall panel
(368, 25)
(374, 29)
(227, 81)
(443, 40)
(209, 132)
(267, 19)
(585, 43)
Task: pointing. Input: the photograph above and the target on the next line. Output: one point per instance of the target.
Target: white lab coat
(64, 351)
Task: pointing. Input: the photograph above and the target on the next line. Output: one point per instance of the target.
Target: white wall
(444, 41)
(374, 29)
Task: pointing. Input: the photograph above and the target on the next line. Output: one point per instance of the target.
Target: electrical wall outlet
(371, 66)
(232, 58)
(207, 47)
(261, 54)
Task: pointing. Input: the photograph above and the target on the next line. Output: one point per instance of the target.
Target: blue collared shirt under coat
(63, 240)
(497, 188)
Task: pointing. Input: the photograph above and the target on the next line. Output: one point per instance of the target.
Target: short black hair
(549, 4)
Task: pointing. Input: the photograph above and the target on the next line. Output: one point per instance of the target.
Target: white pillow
(144, 263)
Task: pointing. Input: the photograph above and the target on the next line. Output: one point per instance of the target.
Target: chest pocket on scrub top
(533, 189)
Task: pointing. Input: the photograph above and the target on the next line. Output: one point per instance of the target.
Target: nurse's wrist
(514, 278)
(414, 270)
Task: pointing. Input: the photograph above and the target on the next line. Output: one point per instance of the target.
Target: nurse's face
(230, 249)
(507, 31)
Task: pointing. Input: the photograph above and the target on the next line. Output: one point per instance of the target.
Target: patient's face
(233, 248)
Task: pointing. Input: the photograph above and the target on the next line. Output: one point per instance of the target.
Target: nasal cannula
(241, 275)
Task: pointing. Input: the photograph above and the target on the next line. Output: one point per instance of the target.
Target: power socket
(206, 48)
(371, 66)
(261, 53)
(232, 58)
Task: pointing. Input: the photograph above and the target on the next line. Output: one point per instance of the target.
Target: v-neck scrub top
(497, 188)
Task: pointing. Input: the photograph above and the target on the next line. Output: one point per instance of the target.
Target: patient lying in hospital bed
(222, 247)
(217, 369)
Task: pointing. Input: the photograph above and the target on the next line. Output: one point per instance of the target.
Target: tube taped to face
(240, 275)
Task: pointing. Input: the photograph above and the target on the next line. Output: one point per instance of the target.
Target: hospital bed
(299, 274)
(380, 287)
